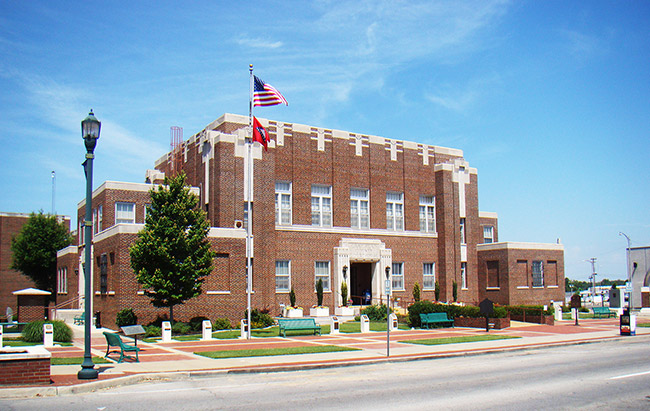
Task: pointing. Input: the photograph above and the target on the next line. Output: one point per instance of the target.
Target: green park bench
(298, 324)
(114, 340)
(600, 311)
(80, 319)
(434, 318)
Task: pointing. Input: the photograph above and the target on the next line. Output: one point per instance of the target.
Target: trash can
(627, 323)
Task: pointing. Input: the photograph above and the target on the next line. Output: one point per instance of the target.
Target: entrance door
(361, 283)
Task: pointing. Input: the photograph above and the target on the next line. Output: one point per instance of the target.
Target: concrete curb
(185, 375)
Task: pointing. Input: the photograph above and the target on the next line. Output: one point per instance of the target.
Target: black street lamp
(90, 127)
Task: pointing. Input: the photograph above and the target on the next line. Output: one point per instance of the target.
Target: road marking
(630, 375)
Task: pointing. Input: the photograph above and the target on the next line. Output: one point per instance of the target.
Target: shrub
(436, 291)
(259, 318)
(452, 310)
(344, 293)
(181, 328)
(375, 312)
(196, 323)
(222, 324)
(416, 292)
(319, 292)
(292, 298)
(454, 290)
(152, 331)
(33, 332)
(159, 320)
(125, 317)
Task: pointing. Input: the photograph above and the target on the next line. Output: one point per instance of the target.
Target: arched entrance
(361, 283)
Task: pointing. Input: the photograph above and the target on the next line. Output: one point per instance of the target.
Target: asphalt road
(614, 374)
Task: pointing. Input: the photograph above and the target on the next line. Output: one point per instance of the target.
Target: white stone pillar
(207, 330)
(48, 335)
(365, 324)
(166, 331)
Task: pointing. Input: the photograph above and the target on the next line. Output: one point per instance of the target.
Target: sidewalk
(176, 360)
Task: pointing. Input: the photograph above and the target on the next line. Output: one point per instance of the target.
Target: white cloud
(259, 43)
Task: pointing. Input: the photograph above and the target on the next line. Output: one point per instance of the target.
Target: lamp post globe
(90, 128)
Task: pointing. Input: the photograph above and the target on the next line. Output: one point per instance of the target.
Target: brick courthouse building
(330, 205)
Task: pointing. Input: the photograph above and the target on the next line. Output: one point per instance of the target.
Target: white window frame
(82, 229)
(428, 276)
(322, 271)
(120, 217)
(283, 208)
(537, 272)
(394, 211)
(359, 208)
(397, 276)
(100, 218)
(463, 276)
(62, 281)
(488, 234)
(321, 205)
(428, 214)
(281, 274)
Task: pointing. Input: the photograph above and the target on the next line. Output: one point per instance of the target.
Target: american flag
(266, 95)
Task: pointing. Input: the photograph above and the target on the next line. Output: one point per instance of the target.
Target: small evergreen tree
(172, 254)
(292, 298)
(436, 291)
(416, 292)
(344, 294)
(454, 290)
(34, 249)
(319, 292)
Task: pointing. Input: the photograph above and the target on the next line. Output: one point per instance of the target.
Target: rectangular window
(463, 232)
(321, 206)
(82, 230)
(62, 281)
(322, 272)
(395, 211)
(282, 276)
(103, 274)
(398, 276)
(124, 213)
(463, 276)
(429, 276)
(427, 214)
(538, 274)
(100, 218)
(94, 222)
(359, 209)
(146, 208)
(492, 274)
(246, 214)
(282, 203)
(488, 234)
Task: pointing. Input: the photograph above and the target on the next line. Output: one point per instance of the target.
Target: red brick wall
(25, 372)
(10, 280)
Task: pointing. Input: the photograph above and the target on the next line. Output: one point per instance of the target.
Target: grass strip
(455, 340)
(76, 360)
(20, 343)
(264, 352)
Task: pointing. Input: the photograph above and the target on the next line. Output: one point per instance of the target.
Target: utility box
(243, 329)
(334, 325)
(627, 323)
(392, 322)
(48, 335)
(557, 310)
(616, 298)
(166, 331)
(365, 324)
(207, 330)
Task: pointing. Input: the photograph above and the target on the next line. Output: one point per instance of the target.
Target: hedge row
(453, 311)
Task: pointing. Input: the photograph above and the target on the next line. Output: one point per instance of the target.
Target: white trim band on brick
(520, 246)
(71, 249)
(488, 214)
(217, 292)
(352, 231)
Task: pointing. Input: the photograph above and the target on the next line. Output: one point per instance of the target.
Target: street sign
(387, 286)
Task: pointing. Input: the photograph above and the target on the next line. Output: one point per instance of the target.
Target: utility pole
(593, 280)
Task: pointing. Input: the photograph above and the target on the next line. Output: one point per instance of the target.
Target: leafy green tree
(172, 254)
(34, 249)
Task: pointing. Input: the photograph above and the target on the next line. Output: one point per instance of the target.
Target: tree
(172, 254)
(416, 292)
(34, 249)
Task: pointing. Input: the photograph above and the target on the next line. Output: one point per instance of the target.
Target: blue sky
(548, 99)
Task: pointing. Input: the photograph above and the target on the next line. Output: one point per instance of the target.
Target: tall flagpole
(249, 205)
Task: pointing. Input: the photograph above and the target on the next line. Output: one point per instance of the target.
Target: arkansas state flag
(259, 134)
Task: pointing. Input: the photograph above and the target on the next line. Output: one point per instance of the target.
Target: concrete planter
(293, 312)
(344, 311)
(319, 312)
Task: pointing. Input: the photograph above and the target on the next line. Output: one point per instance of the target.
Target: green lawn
(261, 352)
(76, 361)
(347, 327)
(454, 340)
(20, 343)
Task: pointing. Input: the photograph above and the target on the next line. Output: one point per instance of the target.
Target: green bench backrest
(113, 339)
(297, 323)
(601, 309)
(437, 316)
